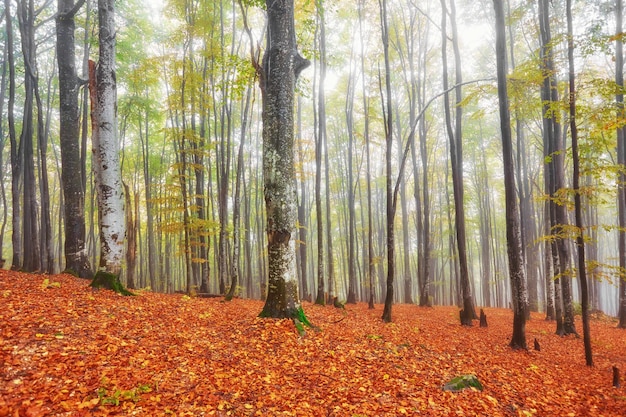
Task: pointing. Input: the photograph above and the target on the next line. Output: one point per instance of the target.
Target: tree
(390, 198)
(108, 175)
(621, 158)
(320, 137)
(456, 162)
(281, 67)
(16, 263)
(554, 170)
(580, 236)
(76, 259)
(513, 232)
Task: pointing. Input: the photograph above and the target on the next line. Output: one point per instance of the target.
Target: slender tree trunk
(237, 199)
(16, 152)
(371, 270)
(580, 236)
(131, 252)
(513, 232)
(390, 203)
(5, 210)
(320, 130)
(31, 261)
(621, 158)
(553, 165)
(349, 110)
(456, 162)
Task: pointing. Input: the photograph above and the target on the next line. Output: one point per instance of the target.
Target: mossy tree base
(297, 315)
(110, 282)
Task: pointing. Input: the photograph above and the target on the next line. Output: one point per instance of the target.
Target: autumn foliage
(68, 350)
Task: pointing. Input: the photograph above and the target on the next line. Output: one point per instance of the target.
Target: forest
(467, 155)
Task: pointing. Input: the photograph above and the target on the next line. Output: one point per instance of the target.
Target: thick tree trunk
(76, 259)
(281, 66)
(106, 148)
(513, 232)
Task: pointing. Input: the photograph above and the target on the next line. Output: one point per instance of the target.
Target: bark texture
(106, 148)
(76, 258)
(281, 67)
(513, 232)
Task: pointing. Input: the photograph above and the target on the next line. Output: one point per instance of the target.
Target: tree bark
(281, 66)
(456, 163)
(513, 232)
(621, 158)
(580, 236)
(76, 258)
(106, 148)
(390, 203)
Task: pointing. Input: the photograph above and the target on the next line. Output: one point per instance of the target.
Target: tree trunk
(237, 200)
(5, 209)
(30, 231)
(320, 134)
(580, 237)
(371, 270)
(349, 110)
(281, 66)
(106, 148)
(513, 232)
(76, 258)
(390, 203)
(16, 153)
(621, 158)
(456, 163)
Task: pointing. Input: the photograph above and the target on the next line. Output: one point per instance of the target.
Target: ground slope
(68, 350)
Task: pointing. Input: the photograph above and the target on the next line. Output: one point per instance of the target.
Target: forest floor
(67, 350)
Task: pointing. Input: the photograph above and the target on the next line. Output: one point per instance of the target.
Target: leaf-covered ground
(69, 351)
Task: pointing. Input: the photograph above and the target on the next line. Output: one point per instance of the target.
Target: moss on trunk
(110, 282)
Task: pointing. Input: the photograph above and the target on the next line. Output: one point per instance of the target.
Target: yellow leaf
(491, 399)
(386, 376)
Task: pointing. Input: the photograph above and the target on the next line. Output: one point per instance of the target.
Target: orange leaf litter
(66, 350)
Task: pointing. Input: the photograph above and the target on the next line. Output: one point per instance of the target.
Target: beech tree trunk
(621, 158)
(76, 257)
(390, 203)
(320, 132)
(106, 148)
(456, 163)
(16, 159)
(513, 232)
(281, 66)
(580, 241)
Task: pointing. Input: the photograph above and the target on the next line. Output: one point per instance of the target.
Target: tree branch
(411, 135)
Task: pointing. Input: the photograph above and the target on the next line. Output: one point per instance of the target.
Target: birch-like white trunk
(106, 148)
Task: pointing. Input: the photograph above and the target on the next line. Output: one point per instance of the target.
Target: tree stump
(537, 347)
(616, 383)
(483, 318)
